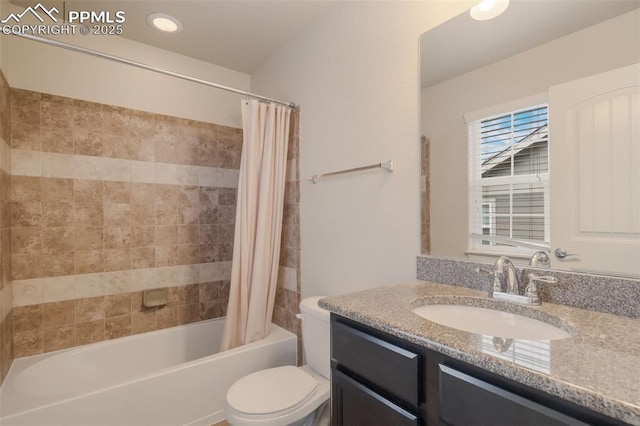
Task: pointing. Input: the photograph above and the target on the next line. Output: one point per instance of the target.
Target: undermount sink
(489, 321)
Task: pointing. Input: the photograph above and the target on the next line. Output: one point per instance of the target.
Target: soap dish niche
(155, 297)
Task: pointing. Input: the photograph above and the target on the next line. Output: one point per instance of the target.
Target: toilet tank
(315, 335)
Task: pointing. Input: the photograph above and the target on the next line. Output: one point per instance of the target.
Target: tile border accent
(6, 295)
(71, 166)
(5, 157)
(601, 293)
(70, 287)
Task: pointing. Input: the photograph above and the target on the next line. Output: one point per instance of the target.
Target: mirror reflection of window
(509, 185)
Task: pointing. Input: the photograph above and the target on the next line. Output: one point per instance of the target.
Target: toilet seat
(275, 390)
(254, 393)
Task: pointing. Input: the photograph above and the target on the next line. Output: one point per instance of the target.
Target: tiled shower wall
(288, 291)
(6, 295)
(107, 202)
(424, 196)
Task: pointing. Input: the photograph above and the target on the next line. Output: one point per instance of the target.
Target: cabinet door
(465, 401)
(356, 405)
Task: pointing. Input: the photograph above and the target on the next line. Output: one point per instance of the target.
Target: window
(509, 178)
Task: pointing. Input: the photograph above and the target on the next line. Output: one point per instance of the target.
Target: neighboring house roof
(537, 135)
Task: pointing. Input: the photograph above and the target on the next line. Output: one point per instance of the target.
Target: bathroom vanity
(392, 367)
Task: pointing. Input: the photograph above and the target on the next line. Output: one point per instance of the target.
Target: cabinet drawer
(356, 405)
(465, 400)
(395, 369)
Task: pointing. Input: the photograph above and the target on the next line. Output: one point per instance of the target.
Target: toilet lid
(271, 391)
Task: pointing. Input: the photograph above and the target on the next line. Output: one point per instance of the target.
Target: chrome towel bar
(387, 165)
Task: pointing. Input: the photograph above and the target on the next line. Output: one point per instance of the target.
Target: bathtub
(167, 377)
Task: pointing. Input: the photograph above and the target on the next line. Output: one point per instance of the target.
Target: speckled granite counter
(597, 367)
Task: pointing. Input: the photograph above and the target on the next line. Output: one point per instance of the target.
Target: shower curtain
(256, 250)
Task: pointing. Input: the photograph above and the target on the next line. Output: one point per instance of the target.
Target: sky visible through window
(506, 131)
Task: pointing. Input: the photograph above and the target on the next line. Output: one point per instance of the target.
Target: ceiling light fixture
(488, 9)
(165, 23)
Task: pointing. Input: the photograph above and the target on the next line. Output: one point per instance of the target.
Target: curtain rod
(149, 68)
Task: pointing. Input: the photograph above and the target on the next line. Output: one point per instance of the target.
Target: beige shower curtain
(256, 250)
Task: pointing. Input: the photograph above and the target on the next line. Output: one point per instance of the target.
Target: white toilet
(288, 395)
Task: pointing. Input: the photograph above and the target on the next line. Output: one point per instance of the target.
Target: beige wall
(608, 45)
(354, 74)
(46, 69)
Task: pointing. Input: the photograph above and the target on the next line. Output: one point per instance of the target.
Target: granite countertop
(597, 367)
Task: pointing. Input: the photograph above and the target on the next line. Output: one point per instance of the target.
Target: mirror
(537, 52)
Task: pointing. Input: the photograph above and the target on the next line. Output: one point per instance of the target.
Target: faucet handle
(532, 288)
(484, 271)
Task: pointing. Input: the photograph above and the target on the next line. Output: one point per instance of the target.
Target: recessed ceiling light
(165, 23)
(488, 9)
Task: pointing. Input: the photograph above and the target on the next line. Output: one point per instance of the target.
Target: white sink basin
(490, 322)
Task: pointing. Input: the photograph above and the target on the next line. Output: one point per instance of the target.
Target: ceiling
(235, 34)
(460, 44)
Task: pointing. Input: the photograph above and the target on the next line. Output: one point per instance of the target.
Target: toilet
(288, 395)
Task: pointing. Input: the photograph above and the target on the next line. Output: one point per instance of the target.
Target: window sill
(491, 255)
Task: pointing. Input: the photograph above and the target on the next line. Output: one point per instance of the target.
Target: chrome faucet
(505, 282)
(507, 287)
(540, 259)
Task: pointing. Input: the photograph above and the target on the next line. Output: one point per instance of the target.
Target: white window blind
(509, 177)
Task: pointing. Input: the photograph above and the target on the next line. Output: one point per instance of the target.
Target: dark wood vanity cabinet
(381, 380)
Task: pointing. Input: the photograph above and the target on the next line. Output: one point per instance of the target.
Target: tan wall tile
(189, 234)
(57, 140)
(117, 237)
(117, 327)
(88, 191)
(58, 313)
(117, 305)
(167, 316)
(56, 112)
(28, 343)
(25, 266)
(88, 143)
(189, 313)
(117, 192)
(90, 332)
(26, 188)
(166, 256)
(117, 214)
(25, 136)
(25, 106)
(143, 236)
(57, 264)
(188, 255)
(117, 259)
(166, 235)
(89, 261)
(166, 214)
(26, 214)
(142, 193)
(59, 239)
(57, 190)
(143, 257)
(87, 115)
(57, 338)
(27, 318)
(88, 238)
(88, 214)
(142, 322)
(57, 214)
(115, 121)
(25, 240)
(189, 294)
(142, 214)
(90, 309)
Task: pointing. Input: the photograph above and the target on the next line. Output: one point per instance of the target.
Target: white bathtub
(167, 377)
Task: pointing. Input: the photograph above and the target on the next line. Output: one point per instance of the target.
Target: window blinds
(509, 179)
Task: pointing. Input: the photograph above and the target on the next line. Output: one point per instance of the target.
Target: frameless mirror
(531, 121)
